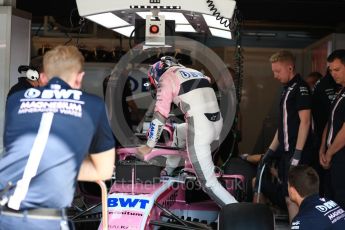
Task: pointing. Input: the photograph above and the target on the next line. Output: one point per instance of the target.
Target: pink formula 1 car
(142, 199)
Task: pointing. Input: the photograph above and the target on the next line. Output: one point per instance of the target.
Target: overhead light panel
(221, 33)
(179, 18)
(108, 20)
(184, 28)
(212, 21)
(126, 31)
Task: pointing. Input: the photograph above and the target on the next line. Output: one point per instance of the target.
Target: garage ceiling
(316, 12)
(316, 17)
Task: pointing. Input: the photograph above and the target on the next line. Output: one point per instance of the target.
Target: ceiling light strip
(108, 20)
(221, 33)
(126, 31)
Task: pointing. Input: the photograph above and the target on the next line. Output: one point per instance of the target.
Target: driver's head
(158, 69)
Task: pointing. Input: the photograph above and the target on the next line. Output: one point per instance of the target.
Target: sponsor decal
(336, 215)
(295, 224)
(152, 130)
(193, 74)
(53, 94)
(128, 202)
(326, 206)
(130, 220)
(304, 91)
(128, 211)
(52, 100)
(170, 201)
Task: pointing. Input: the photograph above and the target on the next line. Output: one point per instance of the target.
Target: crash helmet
(158, 69)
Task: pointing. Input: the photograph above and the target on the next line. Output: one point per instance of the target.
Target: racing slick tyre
(248, 216)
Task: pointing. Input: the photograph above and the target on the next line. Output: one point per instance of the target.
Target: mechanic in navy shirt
(49, 132)
(314, 212)
(332, 150)
(293, 134)
(323, 95)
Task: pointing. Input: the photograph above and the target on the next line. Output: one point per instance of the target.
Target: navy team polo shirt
(319, 213)
(336, 118)
(325, 91)
(48, 133)
(295, 97)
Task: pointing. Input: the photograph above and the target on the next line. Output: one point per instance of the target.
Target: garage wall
(260, 97)
(14, 51)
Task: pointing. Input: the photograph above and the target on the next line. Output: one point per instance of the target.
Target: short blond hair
(283, 56)
(63, 61)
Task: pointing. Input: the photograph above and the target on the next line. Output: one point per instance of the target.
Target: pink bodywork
(169, 193)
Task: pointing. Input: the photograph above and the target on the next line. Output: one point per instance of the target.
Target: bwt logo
(127, 202)
(187, 75)
(53, 93)
(326, 206)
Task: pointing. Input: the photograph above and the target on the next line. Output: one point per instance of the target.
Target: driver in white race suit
(191, 91)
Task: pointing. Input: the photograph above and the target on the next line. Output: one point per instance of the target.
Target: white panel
(221, 33)
(212, 21)
(126, 31)
(89, 7)
(14, 50)
(108, 20)
(185, 28)
(20, 46)
(5, 20)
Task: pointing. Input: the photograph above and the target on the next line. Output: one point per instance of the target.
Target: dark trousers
(337, 171)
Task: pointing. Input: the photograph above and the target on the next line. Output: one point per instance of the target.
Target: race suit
(179, 141)
(191, 91)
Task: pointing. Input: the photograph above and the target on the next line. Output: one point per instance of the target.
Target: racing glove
(244, 156)
(295, 158)
(267, 156)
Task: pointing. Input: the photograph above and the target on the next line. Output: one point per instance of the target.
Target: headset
(169, 61)
(30, 72)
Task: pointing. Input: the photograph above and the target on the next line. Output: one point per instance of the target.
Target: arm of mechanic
(271, 150)
(98, 166)
(322, 150)
(275, 143)
(303, 131)
(337, 144)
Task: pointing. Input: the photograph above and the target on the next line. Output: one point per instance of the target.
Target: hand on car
(142, 151)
